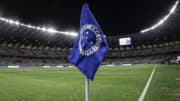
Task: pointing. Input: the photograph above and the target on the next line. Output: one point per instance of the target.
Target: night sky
(114, 16)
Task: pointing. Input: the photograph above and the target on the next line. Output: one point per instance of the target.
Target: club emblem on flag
(90, 39)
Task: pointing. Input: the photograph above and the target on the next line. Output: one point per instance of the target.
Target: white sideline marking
(141, 98)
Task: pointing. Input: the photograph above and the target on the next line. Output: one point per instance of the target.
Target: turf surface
(110, 84)
(165, 85)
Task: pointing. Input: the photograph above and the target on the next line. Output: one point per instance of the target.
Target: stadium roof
(115, 17)
(133, 17)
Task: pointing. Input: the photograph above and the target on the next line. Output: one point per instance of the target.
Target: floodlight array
(44, 29)
(172, 10)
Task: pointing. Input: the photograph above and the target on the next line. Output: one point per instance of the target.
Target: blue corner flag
(90, 46)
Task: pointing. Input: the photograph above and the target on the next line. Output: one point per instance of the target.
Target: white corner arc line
(141, 98)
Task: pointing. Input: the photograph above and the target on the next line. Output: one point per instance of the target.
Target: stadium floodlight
(44, 29)
(2, 19)
(172, 10)
(67, 33)
(6, 20)
(22, 24)
(17, 22)
(11, 21)
(29, 26)
(174, 7)
(33, 27)
(72, 33)
(51, 30)
(38, 28)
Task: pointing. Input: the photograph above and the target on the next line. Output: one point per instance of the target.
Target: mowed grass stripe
(143, 94)
(38, 84)
(164, 85)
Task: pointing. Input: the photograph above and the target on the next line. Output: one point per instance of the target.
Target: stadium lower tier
(47, 57)
(30, 61)
(160, 59)
(34, 61)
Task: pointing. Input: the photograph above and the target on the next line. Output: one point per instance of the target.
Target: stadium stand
(27, 46)
(25, 56)
(30, 57)
(161, 54)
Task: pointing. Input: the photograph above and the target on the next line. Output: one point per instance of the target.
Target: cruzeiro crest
(90, 39)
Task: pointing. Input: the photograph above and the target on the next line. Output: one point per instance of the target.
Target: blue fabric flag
(90, 46)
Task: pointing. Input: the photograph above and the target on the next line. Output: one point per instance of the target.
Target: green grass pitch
(110, 84)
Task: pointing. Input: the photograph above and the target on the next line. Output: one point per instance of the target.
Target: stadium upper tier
(23, 35)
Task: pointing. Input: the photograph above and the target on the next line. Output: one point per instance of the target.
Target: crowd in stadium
(25, 56)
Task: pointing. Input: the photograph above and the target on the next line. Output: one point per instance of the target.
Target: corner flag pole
(87, 89)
